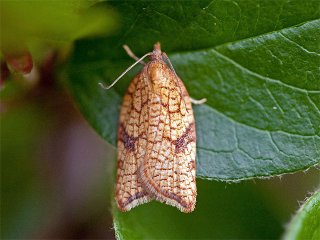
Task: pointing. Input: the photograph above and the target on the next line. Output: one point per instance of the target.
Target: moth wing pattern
(168, 170)
(131, 142)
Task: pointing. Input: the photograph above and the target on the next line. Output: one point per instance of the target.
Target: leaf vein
(298, 45)
(280, 12)
(267, 79)
(273, 142)
(313, 104)
(274, 100)
(261, 129)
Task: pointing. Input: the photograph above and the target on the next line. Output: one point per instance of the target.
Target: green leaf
(306, 224)
(219, 207)
(257, 63)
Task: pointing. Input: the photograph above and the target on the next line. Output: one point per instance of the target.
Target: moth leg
(131, 54)
(198, 102)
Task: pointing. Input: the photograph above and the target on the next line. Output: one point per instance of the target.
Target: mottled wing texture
(169, 166)
(157, 142)
(132, 142)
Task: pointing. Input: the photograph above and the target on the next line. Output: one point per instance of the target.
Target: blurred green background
(57, 173)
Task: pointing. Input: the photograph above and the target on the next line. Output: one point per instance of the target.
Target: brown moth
(156, 139)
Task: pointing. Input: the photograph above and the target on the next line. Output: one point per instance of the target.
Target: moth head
(156, 53)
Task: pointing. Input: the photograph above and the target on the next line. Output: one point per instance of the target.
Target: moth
(156, 138)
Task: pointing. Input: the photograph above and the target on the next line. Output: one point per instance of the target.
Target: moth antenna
(127, 70)
(168, 60)
(131, 54)
(171, 66)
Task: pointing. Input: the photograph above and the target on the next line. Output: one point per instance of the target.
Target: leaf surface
(214, 215)
(306, 224)
(257, 63)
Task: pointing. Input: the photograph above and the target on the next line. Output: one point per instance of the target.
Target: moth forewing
(156, 140)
